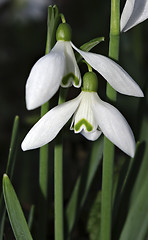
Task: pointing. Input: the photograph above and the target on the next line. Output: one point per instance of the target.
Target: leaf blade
(82, 185)
(9, 170)
(88, 46)
(15, 213)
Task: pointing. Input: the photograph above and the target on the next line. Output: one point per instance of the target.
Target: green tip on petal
(64, 32)
(90, 82)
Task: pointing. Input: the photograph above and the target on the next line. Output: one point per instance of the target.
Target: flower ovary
(64, 32)
(90, 82)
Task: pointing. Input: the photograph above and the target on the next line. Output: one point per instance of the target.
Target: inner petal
(84, 117)
(72, 74)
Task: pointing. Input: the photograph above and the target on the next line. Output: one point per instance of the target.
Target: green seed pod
(90, 82)
(64, 32)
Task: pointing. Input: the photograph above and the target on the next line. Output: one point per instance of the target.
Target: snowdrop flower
(59, 67)
(91, 117)
(134, 12)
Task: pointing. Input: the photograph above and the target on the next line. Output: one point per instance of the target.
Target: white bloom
(92, 116)
(134, 12)
(49, 71)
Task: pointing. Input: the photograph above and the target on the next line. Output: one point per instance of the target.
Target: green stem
(43, 184)
(58, 189)
(58, 179)
(108, 156)
(63, 18)
(43, 159)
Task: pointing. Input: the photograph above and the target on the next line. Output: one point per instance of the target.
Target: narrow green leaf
(31, 217)
(12, 149)
(9, 170)
(143, 171)
(136, 225)
(15, 213)
(82, 185)
(94, 219)
(88, 46)
(2, 222)
(123, 202)
(52, 22)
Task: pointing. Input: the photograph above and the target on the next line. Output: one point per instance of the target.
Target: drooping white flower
(91, 117)
(59, 67)
(134, 12)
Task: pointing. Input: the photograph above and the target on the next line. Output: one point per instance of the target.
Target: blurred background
(22, 43)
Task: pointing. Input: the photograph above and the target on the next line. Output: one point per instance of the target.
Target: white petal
(46, 129)
(117, 77)
(114, 126)
(92, 136)
(72, 73)
(45, 77)
(83, 118)
(134, 12)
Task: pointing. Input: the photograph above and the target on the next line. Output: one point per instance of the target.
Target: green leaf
(136, 225)
(94, 219)
(9, 170)
(88, 46)
(13, 147)
(15, 213)
(31, 216)
(123, 202)
(52, 22)
(82, 186)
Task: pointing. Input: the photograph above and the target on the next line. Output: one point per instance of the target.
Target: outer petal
(114, 126)
(134, 12)
(72, 73)
(46, 129)
(45, 77)
(117, 77)
(92, 136)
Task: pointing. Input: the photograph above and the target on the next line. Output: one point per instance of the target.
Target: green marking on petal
(68, 76)
(83, 121)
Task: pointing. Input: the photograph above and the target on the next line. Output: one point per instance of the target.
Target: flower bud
(90, 82)
(64, 32)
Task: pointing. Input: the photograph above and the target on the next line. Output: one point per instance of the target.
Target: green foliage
(128, 212)
(94, 219)
(52, 22)
(15, 213)
(88, 46)
(9, 170)
(82, 186)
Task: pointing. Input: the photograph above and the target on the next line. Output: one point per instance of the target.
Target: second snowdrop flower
(91, 117)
